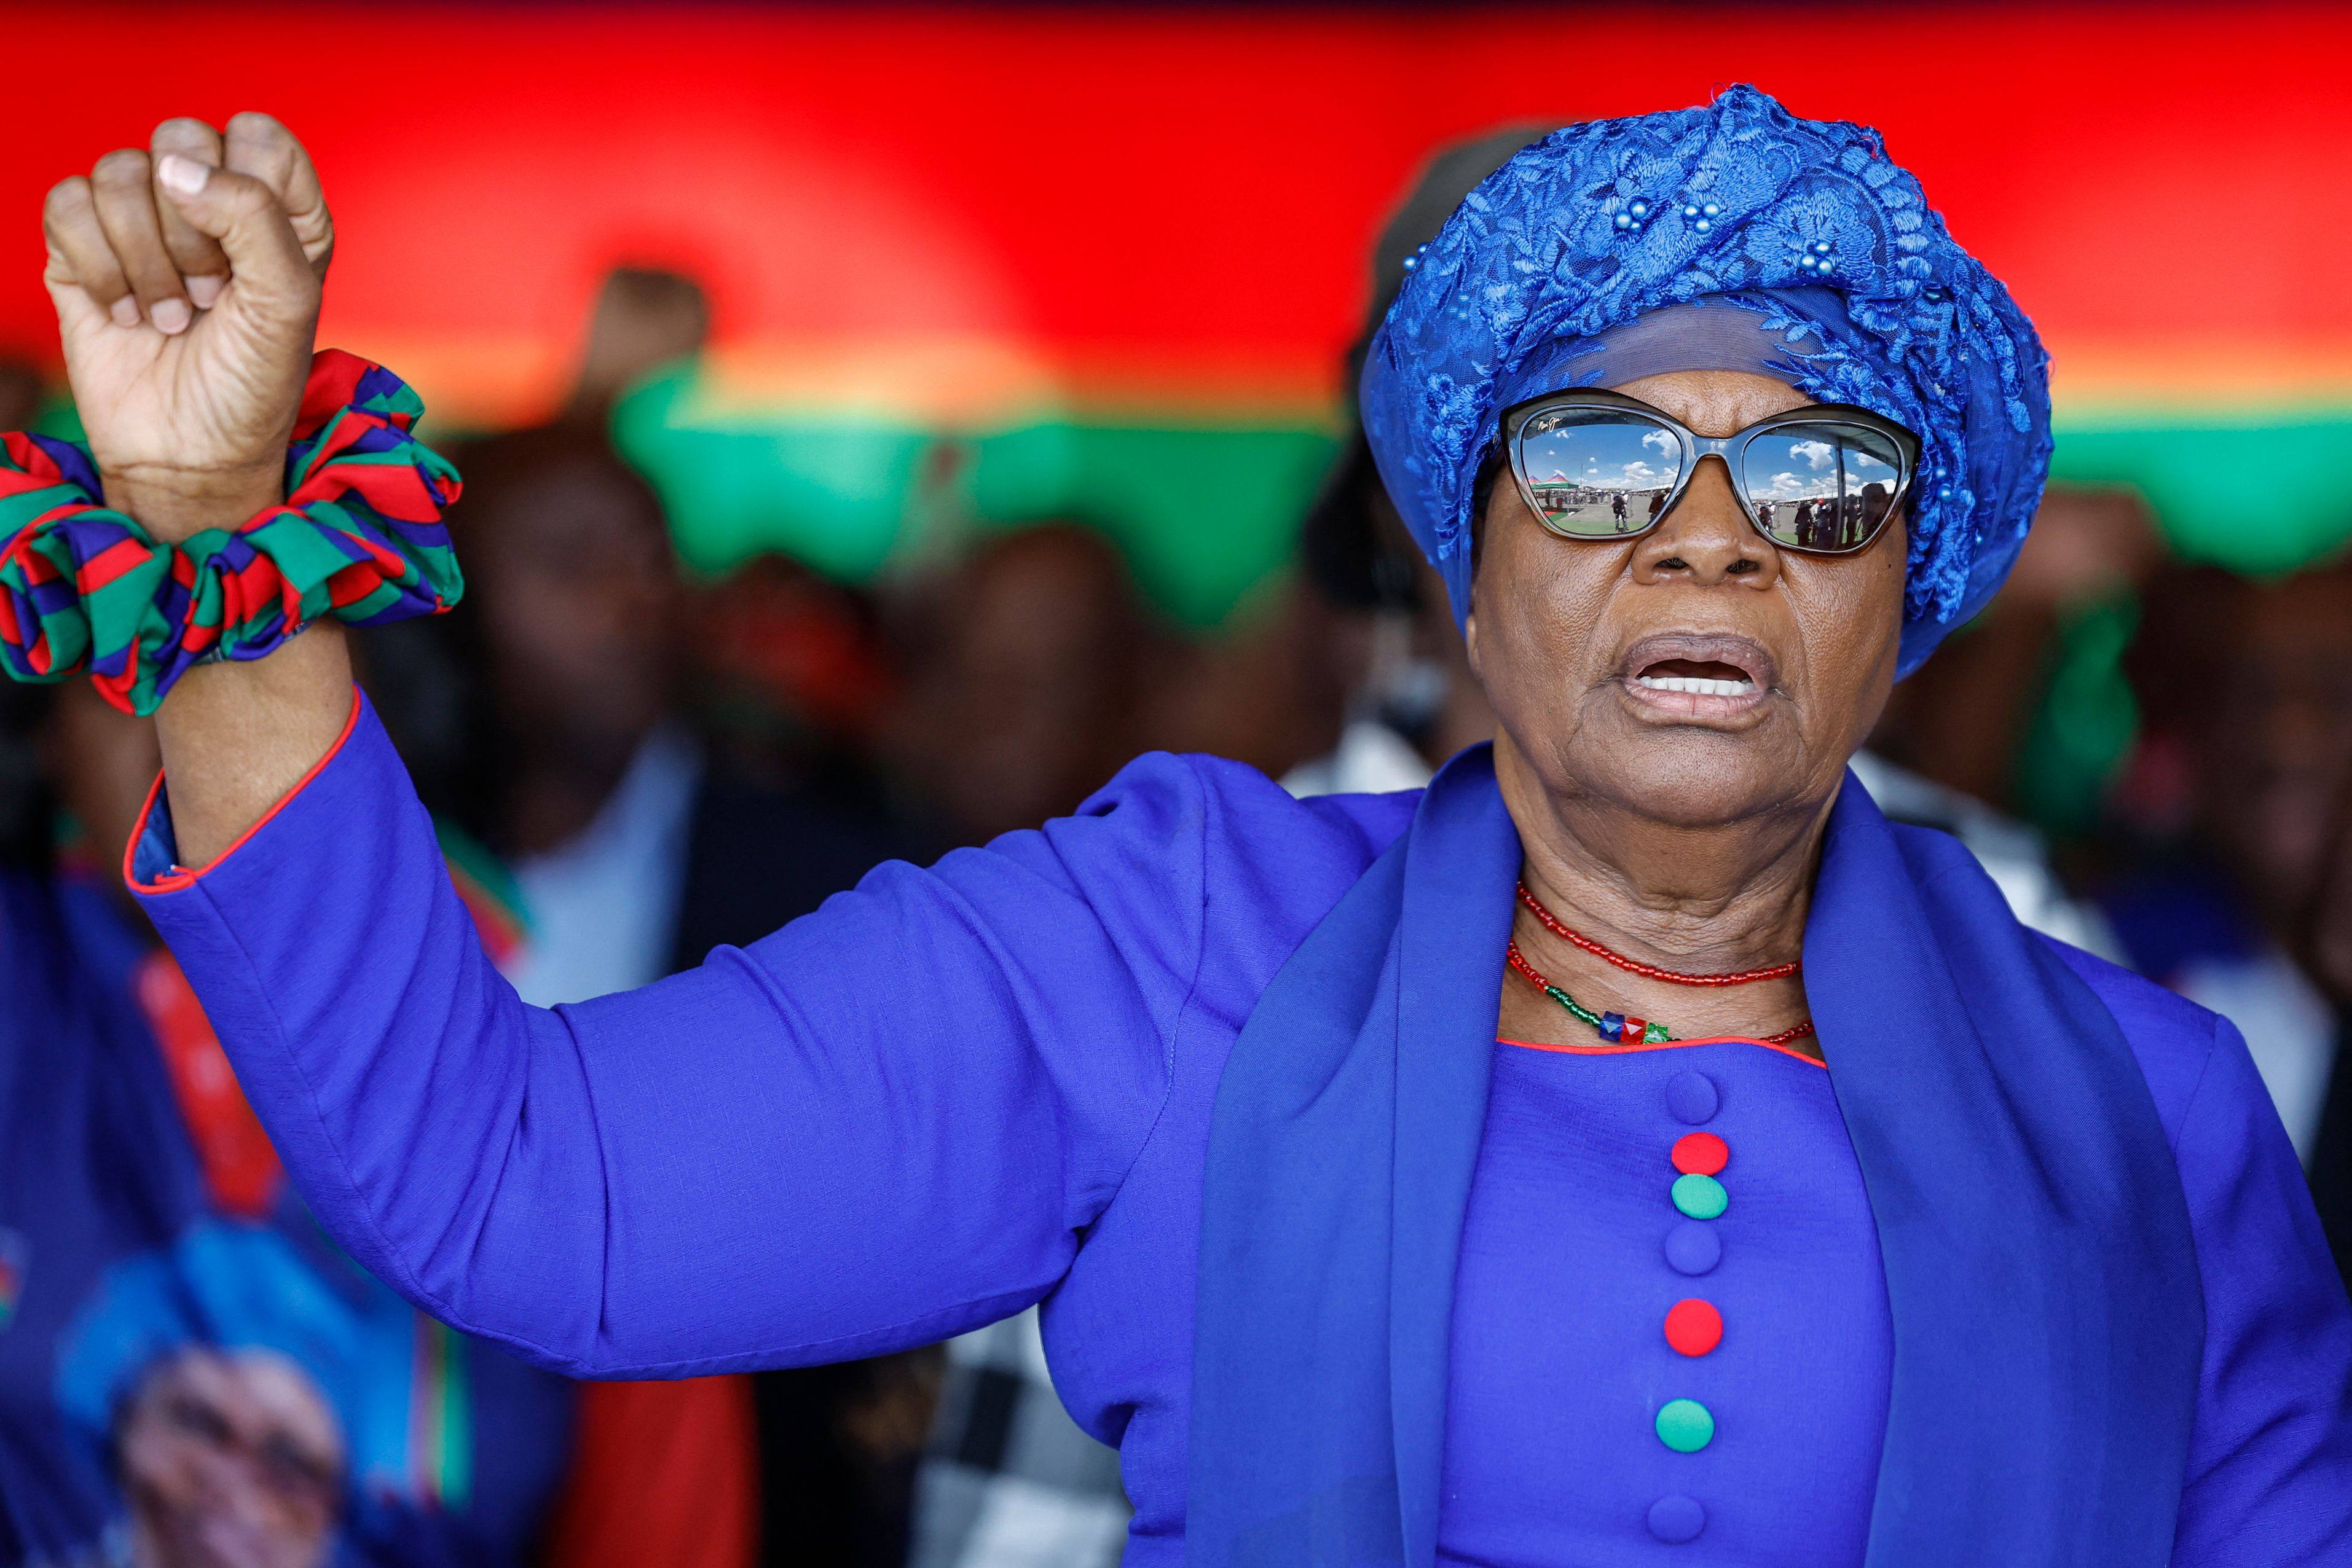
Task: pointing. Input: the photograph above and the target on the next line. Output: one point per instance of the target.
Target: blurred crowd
(631, 768)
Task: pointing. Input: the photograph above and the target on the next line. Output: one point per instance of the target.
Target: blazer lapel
(2040, 1272)
(1461, 862)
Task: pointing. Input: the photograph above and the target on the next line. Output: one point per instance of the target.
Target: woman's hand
(186, 282)
(187, 279)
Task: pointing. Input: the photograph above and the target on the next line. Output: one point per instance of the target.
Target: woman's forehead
(1716, 402)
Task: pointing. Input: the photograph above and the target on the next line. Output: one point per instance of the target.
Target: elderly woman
(1630, 1149)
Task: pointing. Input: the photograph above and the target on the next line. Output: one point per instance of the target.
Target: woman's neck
(1694, 900)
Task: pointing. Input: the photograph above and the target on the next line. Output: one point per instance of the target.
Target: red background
(1181, 191)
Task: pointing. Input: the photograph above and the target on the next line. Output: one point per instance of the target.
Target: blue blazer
(1202, 1055)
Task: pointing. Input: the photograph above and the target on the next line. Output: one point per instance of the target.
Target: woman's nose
(1706, 537)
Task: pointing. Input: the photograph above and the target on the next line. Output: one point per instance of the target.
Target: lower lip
(1688, 705)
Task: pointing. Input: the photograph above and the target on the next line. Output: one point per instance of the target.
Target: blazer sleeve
(2270, 1463)
(885, 1124)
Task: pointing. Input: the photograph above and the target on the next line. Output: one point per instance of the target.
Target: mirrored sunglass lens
(1822, 486)
(1596, 473)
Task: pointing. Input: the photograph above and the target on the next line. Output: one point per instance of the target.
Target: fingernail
(184, 175)
(204, 292)
(171, 316)
(125, 312)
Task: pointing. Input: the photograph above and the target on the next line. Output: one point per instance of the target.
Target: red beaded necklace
(1651, 971)
(1618, 1026)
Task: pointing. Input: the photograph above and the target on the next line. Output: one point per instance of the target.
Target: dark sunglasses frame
(1695, 446)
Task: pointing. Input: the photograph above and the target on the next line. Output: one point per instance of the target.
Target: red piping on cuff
(178, 878)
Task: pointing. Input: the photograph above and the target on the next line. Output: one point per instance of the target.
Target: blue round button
(1691, 1096)
(1676, 1519)
(1693, 1248)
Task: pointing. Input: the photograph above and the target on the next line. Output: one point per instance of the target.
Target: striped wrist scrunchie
(359, 536)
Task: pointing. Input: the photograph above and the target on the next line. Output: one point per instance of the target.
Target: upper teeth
(1699, 684)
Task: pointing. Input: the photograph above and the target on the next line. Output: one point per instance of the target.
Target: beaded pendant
(1617, 1028)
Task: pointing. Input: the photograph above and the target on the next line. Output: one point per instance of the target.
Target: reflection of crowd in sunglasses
(1826, 522)
(1833, 522)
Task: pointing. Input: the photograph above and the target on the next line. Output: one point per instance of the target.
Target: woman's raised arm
(885, 1123)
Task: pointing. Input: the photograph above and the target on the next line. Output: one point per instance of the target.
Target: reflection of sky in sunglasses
(1624, 456)
(1805, 468)
(1632, 455)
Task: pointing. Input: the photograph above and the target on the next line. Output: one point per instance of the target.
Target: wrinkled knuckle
(245, 196)
(123, 166)
(66, 199)
(255, 125)
(182, 129)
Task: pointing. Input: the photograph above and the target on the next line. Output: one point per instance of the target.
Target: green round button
(1685, 1425)
(1700, 1196)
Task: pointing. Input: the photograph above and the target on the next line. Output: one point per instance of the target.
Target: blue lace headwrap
(1805, 222)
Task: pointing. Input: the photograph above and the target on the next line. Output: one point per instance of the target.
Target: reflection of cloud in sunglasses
(1787, 469)
(1820, 456)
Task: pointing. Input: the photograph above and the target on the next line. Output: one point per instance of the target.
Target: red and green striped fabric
(359, 537)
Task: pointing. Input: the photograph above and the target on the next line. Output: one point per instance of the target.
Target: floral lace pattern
(1808, 222)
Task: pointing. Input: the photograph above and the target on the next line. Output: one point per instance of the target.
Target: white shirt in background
(602, 909)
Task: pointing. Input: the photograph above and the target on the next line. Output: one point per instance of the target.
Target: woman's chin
(1694, 773)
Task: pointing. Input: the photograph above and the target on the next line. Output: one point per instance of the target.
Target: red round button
(1701, 1154)
(1694, 1327)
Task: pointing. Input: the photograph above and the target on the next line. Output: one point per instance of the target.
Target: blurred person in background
(1410, 699)
(1401, 686)
(2230, 808)
(1026, 669)
(191, 1375)
(645, 317)
(548, 714)
(1965, 725)
(1947, 752)
(790, 675)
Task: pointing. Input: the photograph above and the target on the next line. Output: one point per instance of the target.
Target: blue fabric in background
(1807, 222)
(119, 1262)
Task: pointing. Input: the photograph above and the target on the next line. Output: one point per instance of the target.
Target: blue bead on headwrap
(1805, 223)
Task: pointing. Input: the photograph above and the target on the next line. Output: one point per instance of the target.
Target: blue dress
(1587, 1300)
(1013, 1077)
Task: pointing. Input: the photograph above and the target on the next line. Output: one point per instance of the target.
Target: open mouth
(1707, 677)
(1696, 676)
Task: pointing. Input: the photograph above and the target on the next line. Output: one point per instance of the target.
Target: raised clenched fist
(186, 281)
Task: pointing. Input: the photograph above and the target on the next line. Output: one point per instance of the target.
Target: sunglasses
(1601, 465)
